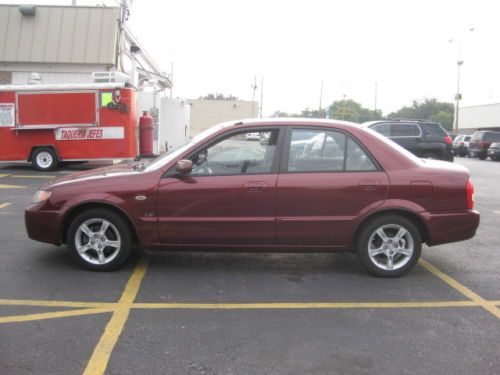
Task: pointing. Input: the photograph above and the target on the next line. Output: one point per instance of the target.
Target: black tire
(407, 262)
(44, 159)
(462, 154)
(431, 155)
(118, 231)
(482, 156)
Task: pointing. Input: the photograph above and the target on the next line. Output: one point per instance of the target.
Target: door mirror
(184, 166)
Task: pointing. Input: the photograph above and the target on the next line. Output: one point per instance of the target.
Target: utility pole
(320, 97)
(376, 89)
(254, 89)
(261, 95)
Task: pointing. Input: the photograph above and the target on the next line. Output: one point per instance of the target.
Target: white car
(252, 136)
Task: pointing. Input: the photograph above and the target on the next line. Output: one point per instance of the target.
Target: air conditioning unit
(110, 77)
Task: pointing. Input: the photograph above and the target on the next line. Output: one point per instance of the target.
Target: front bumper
(43, 226)
(452, 226)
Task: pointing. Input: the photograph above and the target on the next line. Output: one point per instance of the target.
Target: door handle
(369, 184)
(255, 186)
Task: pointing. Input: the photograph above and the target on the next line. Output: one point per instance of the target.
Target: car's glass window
(241, 153)
(357, 159)
(405, 130)
(466, 138)
(477, 136)
(491, 137)
(435, 130)
(384, 129)
(316, 150)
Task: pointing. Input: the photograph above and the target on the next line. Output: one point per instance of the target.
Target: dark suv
(480, 142)
(424, 139)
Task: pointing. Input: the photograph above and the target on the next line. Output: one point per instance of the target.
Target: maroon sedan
(303, 185)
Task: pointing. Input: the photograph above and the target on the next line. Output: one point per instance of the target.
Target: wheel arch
(412, 216)
(78, 209)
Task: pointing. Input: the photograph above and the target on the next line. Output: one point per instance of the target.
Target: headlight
(41, 196)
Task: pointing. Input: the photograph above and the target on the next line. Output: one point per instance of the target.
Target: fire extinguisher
(146, 126)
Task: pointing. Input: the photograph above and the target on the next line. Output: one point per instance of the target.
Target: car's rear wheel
(389, 246)
(430, 155)
(99, 240)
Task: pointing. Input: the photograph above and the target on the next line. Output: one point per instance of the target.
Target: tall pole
(376, 92)
(254, 88)
(261, 95)
(320, 97)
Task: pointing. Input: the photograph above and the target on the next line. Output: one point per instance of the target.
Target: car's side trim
(315, 218)
(217, 219)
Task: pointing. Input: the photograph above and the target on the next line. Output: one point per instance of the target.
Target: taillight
(448, 140)
(483, 144)
(469, 189)
(461, 143)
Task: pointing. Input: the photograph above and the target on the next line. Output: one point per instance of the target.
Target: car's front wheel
(99, 240)
(389, 246)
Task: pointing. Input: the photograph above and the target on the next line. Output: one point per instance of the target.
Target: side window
(242, 153)
(384, 129)
(316, 150)
(436, 130)
(405, 130)
(357, 159)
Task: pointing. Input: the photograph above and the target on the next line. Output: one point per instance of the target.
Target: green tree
(350, 110)
(429, 109)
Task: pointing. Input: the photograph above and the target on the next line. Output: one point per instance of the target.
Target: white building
(480, 117)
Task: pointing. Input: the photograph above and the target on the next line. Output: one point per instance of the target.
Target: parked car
(252, 136)
(315, 186)
(460, 145)
(425, 139)
(480, 142)
(494, 151)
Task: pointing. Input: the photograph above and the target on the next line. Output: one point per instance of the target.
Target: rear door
(326, 180)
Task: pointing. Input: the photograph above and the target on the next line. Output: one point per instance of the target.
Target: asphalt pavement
(225, 313)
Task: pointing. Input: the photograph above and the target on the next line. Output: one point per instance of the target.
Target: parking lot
(224, 313)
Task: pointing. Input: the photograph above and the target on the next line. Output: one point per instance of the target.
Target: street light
(458, 95)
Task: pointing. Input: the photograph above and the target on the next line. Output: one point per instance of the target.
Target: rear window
(435, 130)
(467, 138)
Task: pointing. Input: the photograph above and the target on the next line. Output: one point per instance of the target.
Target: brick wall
(5, 78)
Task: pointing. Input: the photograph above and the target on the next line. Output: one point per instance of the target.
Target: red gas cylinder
(146, 126)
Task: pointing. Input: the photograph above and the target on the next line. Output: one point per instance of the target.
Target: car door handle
(255, 186)
(369, 184)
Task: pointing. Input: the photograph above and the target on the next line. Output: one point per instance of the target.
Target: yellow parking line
(44, 303)
(2, 186)
(99, 360)
(462, 289)
(4, 175)
(311, 305)
(3, 205)
(52, 315)
(30, 176)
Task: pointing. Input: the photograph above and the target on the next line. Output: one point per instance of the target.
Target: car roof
(294, 121)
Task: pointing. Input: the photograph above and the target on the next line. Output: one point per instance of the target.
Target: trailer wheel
(44, 159)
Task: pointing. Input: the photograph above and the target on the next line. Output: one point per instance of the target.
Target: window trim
(287, 143)
(171, 172)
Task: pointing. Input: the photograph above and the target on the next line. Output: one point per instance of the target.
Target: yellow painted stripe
(461, 288)
(311, 305)
(4, 175)
(52, 315)
(2, 186)
(102, 352)
(44, 303)
(3, 205)
(30, 176)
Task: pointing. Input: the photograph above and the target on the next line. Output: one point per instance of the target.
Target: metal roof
(59, 34)
(63, 86)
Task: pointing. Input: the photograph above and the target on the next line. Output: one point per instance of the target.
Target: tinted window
(384, 129)
(435, 130)
(466, 138)
(315, 151)
(246, 152)
(404, 130)
(491, 137)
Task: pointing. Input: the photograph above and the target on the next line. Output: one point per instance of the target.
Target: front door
(230, 196)
(326, 180)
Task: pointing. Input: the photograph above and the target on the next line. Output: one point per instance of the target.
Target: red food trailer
(50, 124)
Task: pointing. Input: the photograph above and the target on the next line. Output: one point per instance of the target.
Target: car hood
(118, 170)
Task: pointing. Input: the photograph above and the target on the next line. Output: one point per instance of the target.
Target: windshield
(172, 154)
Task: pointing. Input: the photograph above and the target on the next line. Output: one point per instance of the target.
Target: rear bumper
(43, 226)
(453, 226)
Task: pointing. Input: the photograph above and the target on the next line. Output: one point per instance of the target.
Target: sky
(383, 54)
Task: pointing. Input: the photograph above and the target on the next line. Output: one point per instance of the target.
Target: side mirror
(184, 166)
